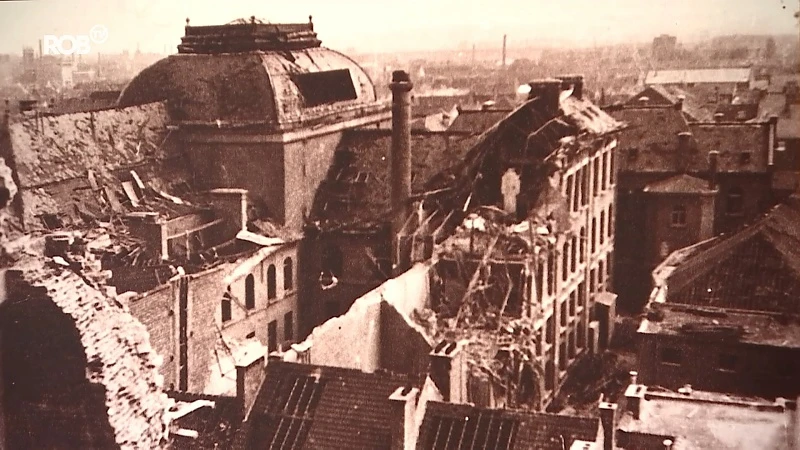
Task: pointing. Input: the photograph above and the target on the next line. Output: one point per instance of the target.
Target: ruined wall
(255, 166)
(376, 331)
(307, 163)
(159, 311)
(156, 310)
(404, 347)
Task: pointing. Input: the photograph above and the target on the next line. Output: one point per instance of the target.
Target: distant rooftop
(688, 76)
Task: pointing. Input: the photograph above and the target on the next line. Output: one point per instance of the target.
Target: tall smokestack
(504, 50)
(400, 159)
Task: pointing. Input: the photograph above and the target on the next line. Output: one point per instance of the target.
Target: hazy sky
(368, 25)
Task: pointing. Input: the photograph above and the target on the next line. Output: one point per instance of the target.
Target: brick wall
(157, 310)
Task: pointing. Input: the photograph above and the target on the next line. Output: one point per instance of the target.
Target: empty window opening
(250, 292)
(226, 307)
(288, 326)
(272, 336)
(272, 285)
(288, 274)
(735, 201)
(727, 362)
(322, 88)
(671, 355)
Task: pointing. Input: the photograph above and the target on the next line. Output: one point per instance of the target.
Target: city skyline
(409, 26)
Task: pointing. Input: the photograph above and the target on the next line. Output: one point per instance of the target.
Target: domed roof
(275, 82)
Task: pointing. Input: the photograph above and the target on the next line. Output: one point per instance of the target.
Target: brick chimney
(634, 396)
(549, 91)
(448, 370)
(772, 139)
(573, 81)
(608, 420)
(400, 161)
(713, 169)
(403, 428)
(682, 155)
(679, 102)
(249, 376)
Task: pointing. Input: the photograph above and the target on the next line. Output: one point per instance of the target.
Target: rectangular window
(678, 216)
(550, 332)
(573, 299)
(671, 355)
(611, 169)
(573, 256)
(551, 272)
(593, 244)
(322, 88)
(571, 191)
(288, 326)
(727, 362)
(595, 176)
(602, 227)
(563, 313)
(582, 294)
(272, 336)
(565, 261)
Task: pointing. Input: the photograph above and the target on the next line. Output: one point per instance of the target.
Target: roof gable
(679, 184)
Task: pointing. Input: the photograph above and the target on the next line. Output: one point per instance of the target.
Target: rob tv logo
(69, 44)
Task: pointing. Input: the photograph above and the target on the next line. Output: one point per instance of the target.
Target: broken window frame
(325, 87)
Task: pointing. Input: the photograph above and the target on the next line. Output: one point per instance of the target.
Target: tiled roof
(477, 121)
(356, 192)
(650, 143)
(462, 426)
(118, 354)
(679, 184)
(56, 148)
(657, 95)
(652, 134)
(732, 140)
(306, 406)
(681, 76)
(758, 268)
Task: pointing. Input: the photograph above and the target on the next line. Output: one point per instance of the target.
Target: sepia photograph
(400, 225)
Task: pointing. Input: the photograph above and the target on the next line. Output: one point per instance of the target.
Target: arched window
(226, 307)
(288, 274)
(272, 285)
(250, 292)
(735, 201)
(678, 217)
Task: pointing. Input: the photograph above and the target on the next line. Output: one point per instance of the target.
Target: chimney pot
(667, 444)
(575, 82)
(448, 371)
(403, 428)
(633, 376)
(608, 420)
(679, 102)
(719, 117)
(548, 90)
(634, 395)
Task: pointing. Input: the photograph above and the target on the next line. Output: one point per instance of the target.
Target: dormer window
(327, 87)
(678, 216)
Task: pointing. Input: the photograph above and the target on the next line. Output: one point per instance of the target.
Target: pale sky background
(370, 25)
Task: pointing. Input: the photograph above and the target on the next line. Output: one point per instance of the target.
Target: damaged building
(519, 238)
